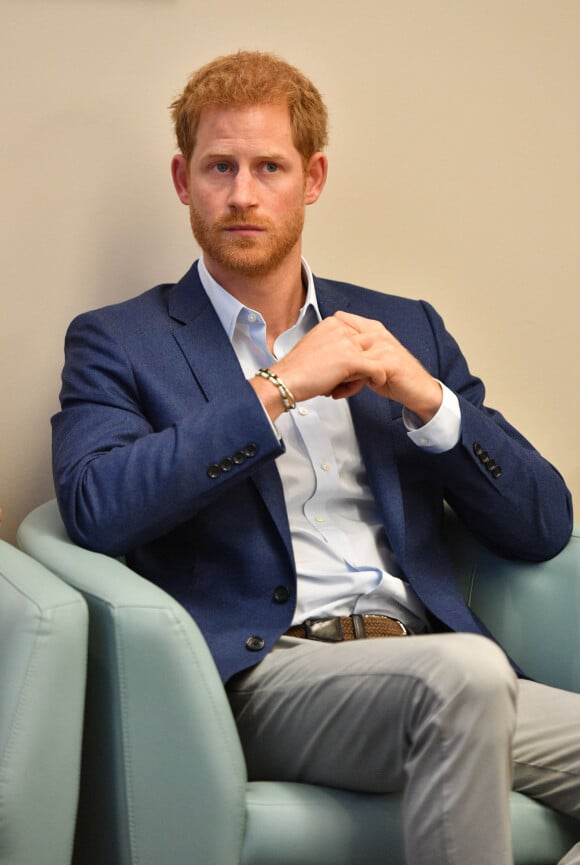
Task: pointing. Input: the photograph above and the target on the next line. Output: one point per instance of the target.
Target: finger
(359, 322)
(346, 389)
(356, 322)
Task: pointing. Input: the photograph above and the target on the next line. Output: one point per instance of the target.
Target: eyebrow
(268, 156)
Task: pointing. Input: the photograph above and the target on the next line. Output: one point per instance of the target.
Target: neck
(277, 295)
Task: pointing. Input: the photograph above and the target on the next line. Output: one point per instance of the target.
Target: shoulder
(396, 312)
(147, 311)
(143, 305)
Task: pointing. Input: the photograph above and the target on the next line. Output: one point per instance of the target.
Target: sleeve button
(250, 450)
(214, 472)
(227, 464)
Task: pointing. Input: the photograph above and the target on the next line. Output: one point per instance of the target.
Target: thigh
(546, 746)
(345, 714)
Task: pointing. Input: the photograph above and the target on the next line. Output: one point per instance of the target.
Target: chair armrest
(43, 640)
(532, 608)
(158, 723)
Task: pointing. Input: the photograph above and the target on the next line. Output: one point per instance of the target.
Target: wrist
(429, 404)
(286, 396)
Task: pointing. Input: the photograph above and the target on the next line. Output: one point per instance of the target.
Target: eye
(221, 167)
(271, 167)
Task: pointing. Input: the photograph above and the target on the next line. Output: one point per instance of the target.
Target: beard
(247, 256)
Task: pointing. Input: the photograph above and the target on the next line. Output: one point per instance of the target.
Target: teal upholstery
(164, 779)
(43, 651)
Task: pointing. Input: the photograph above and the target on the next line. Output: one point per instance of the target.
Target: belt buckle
(325, 630)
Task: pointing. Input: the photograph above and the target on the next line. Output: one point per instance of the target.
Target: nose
(242, 192)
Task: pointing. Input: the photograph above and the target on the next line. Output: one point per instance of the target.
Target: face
(246, 187)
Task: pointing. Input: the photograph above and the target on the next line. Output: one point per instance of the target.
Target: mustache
(235, 219)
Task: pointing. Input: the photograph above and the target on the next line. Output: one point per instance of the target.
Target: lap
(340, 713)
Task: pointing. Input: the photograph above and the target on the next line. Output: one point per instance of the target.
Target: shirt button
(319, 518)
(252, 317)
(325, 466)
(255, 644)
(303, 411)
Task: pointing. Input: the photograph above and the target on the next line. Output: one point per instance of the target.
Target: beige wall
(454, 176)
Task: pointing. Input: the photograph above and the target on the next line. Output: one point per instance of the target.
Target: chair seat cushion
(293, 818)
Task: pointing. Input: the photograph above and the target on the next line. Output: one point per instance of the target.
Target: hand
(343, 354)
(399, 374)
(327, 357)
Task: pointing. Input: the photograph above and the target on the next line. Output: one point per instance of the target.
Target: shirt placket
(325, 468)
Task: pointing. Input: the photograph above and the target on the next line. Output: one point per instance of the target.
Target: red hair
(252, 78)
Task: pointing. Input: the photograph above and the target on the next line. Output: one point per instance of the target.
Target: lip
(244, 229)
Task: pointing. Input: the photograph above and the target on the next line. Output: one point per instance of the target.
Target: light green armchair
(43, 652)
(164, 780)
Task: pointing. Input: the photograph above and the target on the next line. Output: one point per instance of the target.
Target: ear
(316, 173)
(180, 177)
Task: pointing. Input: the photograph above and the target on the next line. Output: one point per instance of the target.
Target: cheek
(290, 199)
(203, 202)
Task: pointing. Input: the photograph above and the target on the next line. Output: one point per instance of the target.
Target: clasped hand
(347, 352)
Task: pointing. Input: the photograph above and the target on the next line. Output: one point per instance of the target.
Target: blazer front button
(255, 644)
(281, 594)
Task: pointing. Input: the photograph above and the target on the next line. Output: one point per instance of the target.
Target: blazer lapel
(212, 360)
(201, 337)
(373, 423)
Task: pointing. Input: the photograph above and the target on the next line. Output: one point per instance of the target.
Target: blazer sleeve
(132, 461)
(497, 482)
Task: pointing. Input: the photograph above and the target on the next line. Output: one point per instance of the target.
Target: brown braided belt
(355, 627)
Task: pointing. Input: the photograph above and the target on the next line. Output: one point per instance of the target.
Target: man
(275, 450)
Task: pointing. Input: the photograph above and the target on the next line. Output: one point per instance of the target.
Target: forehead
(264, 127)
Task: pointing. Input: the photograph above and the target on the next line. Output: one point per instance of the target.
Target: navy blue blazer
(162, 452)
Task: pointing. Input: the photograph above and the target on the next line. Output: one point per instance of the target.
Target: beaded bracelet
(287, 398)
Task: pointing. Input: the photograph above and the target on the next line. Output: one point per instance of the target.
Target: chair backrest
(43, 644)
(153, 690)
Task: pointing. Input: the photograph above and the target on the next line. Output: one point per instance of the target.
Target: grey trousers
(441, 717)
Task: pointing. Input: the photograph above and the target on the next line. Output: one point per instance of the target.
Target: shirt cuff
(442, 432)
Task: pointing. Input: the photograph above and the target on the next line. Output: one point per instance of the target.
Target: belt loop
(358, 626)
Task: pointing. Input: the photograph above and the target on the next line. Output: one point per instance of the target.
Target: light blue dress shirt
(343, 561)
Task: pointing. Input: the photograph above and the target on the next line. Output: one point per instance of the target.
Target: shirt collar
(229, 310)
